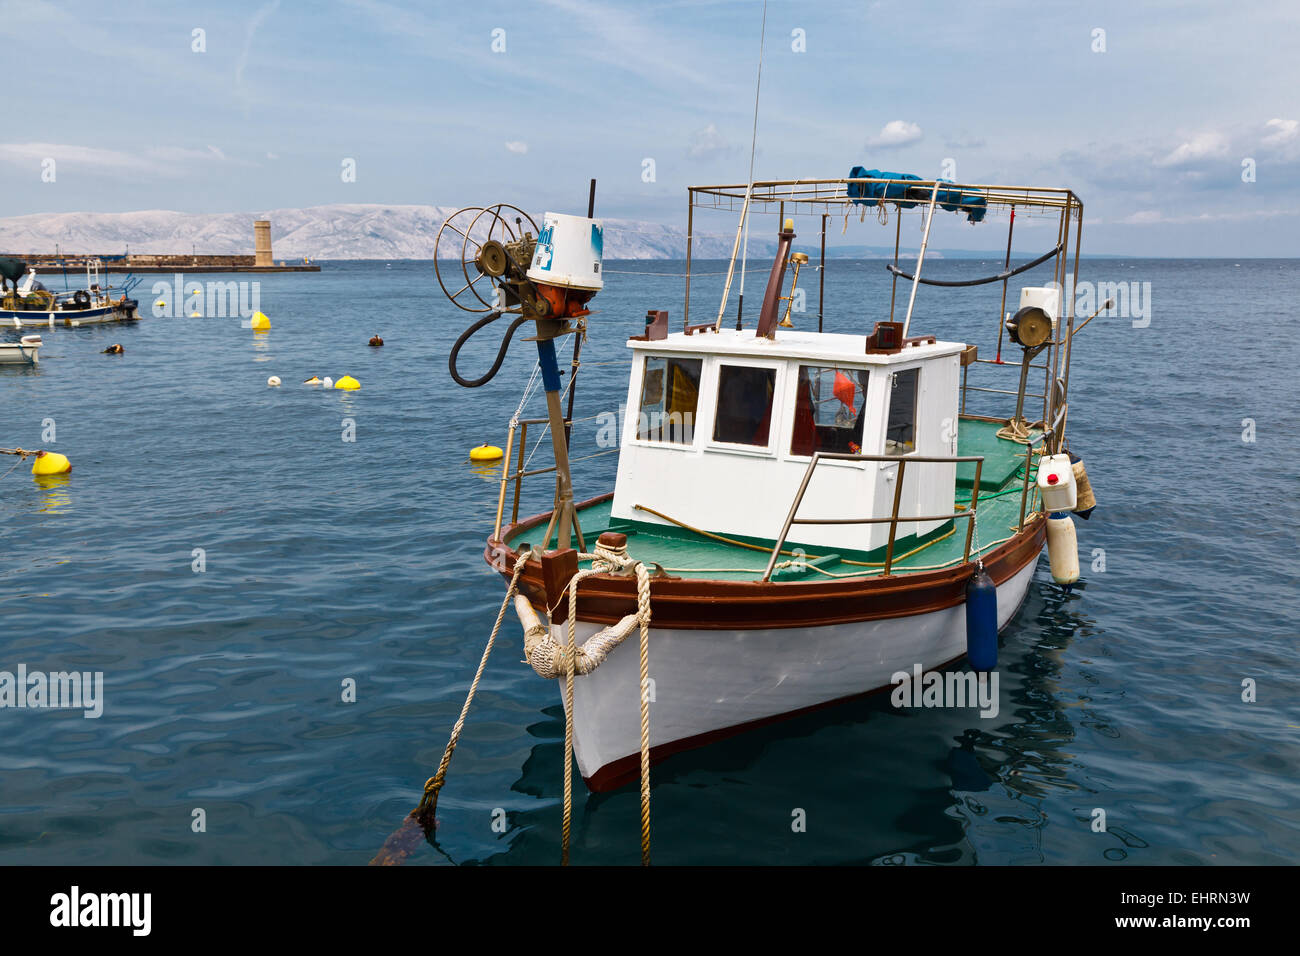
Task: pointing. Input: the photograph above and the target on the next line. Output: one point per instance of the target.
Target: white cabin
(720, 428)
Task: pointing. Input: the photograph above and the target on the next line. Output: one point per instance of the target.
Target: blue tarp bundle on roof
(953, 200)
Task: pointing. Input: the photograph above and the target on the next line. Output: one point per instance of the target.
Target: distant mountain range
(319, 232)
(367, 231)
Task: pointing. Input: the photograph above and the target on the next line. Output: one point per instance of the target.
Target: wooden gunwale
(702, 604)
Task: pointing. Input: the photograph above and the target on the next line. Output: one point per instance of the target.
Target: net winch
(546, 276)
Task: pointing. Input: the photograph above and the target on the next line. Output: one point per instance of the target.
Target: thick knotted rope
(551, 661)
(606, 559)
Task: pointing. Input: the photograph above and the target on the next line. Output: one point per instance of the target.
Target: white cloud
(1145, 217)
(1153, 217)
(258, 19)
(21, 154)
(1283, 131)
(893, 134)
(708, 142)
(1201, 146)
(156, 161)
(519, 147)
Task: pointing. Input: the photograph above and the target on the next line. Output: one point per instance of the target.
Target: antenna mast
(743, 225)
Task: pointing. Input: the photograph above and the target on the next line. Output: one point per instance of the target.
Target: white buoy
(1062, 549)
(327, 382)
(273, 381)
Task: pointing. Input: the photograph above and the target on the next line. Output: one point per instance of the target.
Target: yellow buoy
(260, 323)
(195, 315)
(485, 453)
(50, 463)
(160, 304)
(314, 380)
(347, 382)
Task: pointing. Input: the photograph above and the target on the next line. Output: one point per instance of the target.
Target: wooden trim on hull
(695, 604)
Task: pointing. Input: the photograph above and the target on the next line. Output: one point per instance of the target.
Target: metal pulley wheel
(1030, 327)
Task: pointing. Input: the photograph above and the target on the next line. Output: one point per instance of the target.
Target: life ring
(81, 299)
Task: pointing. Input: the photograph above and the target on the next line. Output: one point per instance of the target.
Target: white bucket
(1046, 297)
(1056, 483)
(569, 252)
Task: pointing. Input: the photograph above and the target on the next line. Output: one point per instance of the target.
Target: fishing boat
(798, 516)
(26, 351)
(29, 304)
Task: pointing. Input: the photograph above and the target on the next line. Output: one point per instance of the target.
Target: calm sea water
(329, 560)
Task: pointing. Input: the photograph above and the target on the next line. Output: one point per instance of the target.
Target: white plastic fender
(1062, 548)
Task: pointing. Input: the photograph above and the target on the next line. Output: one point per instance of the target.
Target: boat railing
(966, 386)
(521, 469)
(894, 518)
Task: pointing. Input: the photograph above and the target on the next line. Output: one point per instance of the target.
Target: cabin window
(744, 404)
(830, 410)
(900, 429)
(670, 390)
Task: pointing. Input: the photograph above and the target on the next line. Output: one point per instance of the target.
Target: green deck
(689, 554)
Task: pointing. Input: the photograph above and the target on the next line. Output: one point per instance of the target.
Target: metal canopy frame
(828, 197)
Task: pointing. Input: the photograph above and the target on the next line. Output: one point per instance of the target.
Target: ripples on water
(328, 560)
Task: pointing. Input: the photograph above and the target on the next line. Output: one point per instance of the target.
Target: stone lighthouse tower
(262, 242)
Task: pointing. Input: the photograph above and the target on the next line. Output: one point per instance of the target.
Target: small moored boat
(29, 304)
(798, 516)
(26, 351)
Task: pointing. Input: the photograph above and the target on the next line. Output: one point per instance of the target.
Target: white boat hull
(72, 318)
(15, 353)
(708, 682)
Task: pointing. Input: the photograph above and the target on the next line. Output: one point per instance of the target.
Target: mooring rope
(604, 560)
(540, 651)
(1019, 430)
(22, 454)
(424, 813)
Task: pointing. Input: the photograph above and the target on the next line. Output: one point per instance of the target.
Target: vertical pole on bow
(563, 517)
(577, 338)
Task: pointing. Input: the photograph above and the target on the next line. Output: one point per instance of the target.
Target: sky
(1178, 123)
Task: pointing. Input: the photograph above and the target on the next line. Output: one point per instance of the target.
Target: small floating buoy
(160, 304)
(1062, 549)
(195, 315)
(50, 463)
(273, 381)
(197, 292)
(348, 382)
(259, 322)
(376, 341)
(982, 621)
(113, 350)
(327, 382)
(314, 380)
(485, 453)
